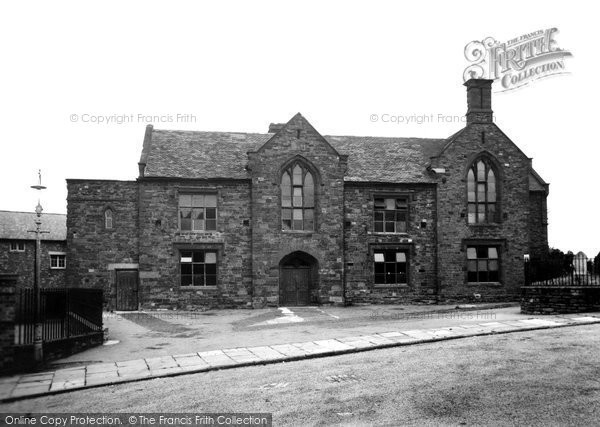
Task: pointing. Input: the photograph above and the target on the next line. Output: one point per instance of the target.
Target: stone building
(292, 217)
(17, 248)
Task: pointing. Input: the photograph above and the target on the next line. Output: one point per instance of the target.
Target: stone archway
(298, 276)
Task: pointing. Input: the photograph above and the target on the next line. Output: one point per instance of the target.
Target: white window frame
(16, 245)
(57, 256)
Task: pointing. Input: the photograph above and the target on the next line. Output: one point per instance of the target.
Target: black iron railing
(571, 271)
(64, 313)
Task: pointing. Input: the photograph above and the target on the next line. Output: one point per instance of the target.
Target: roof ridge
(31, 212)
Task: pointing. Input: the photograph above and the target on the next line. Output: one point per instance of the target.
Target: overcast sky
(237, 66)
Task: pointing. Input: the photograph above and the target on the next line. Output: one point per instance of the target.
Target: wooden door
(295, 285)
(127, 290)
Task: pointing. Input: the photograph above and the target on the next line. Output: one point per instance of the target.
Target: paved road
(543, 377)
(102, 374)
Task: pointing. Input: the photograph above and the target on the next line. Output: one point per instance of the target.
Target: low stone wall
(559, 299)
(8, 282)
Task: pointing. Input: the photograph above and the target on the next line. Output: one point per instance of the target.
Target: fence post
(8, 283)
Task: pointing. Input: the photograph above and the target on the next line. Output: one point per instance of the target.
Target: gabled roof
(212, 155)
(15, 226)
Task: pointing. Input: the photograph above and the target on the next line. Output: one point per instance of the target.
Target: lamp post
(38, 350)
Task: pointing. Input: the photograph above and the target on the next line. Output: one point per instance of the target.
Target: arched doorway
(298, 275)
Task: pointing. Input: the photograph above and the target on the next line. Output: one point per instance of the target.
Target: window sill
(197, 288)
(58, 268)
(384, 233)
(303, 232)
(16, 252)
(185, 232)
(493, 284)
(483, 225)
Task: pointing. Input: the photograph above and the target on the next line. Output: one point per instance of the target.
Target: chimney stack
(479, 101)
(275, 127)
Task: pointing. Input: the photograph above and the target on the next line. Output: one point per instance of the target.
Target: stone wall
(23, 263)
(419, 241)
(93, 251)
(8, 283)
(511, 234)
(538, 225)
(161, 242)
(297, 141)
(560, 299)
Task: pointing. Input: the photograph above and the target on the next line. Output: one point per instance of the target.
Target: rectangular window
(198, 268)
(197, 212)
(58, 261)
(390, 267)
(17, 246)
(483, 264)
(390, 214)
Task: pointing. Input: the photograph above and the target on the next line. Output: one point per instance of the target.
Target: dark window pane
(186, 268)
(186, 280)
(198, 256)
(389, 227)
(198, 279)
(390, 216)
(287, 224)
(198, 268)
(380, 203)
(483, 276)
(211, 224)
(494, 276)
(492, 212)
(379, 227)
(379, 268)
(482, 252)
(211, 280)
(378, 216)
(472, 276)
(211, 268)
(401, 204)
(211, 213)
(380, 278)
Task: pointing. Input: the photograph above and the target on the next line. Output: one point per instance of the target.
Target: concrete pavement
(102, 374)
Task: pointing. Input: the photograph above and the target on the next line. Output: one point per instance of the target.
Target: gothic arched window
(482, 193)
(297, 198)
(108, 218)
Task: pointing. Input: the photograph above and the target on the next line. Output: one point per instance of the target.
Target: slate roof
(223, 155)
(15, 226)
(193, 154)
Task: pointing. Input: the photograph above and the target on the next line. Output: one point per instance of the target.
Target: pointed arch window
(108, 219)
(482, 193)
(297, 198)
